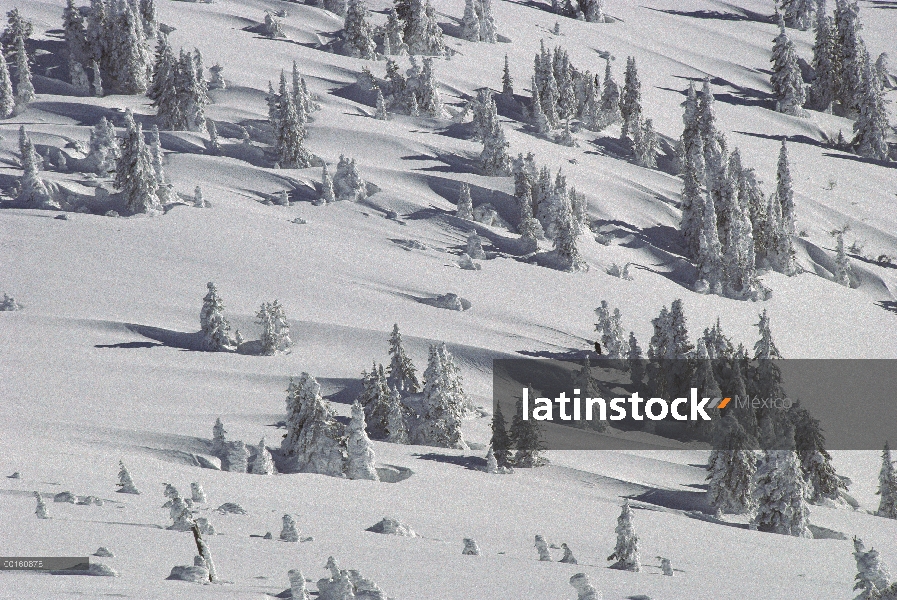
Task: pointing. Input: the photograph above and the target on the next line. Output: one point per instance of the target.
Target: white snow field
(100, 365)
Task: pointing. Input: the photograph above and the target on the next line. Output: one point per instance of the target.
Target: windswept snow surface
(103, 363)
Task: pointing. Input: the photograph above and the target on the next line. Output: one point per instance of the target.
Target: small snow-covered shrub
(470, 547)
(391, 526)
(231, 508)
(9, 303)
(622, 272)
(103, 551)
(289, 533)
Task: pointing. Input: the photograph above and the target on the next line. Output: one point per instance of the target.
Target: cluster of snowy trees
(494, 159)
(730, 227)
(478, 24)
(288, 113)
(583, 10)
(215, 330)
(845, 78)
(346, 184)
(550, 208)
(400, 410)
(637, 130)
(13, 39)
(518, 446)
(316, 442)
(561, 92)
(111, 38)
(873, 580)
(178, 88)
(416, 92)
(411, 28)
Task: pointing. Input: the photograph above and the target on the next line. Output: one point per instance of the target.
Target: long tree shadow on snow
(473, 463)
(451, 163)
(742, 14)
(796, 139)
(868, 161)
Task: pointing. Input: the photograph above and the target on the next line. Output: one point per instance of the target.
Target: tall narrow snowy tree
(465, 204)
(626, 551)
(289, 131)
(731, 467)
(887, 486)
(507, 83)
(787, 83)
(798, 14)
(780, 491)
(263, 463)
(134, 173)
(275, 328)
(824, 85)
(214, 327)
(500, 443)
(442, 408)
(809, 443)
(312, 442)
(630, 100)
(7, 99)
(526, 437)
(401, 372)
(872, 576)
(357, 32)
(24, 87)
(32, 190)
(360, 464)
(397, 427)
(470, 22)
(871, 127)
(125, 482)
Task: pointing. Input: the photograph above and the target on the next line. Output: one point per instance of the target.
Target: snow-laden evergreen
(263, 464)
(327, 193)
(580, 582)
(731, 467)
(125, 482)
(289, 531)
(849, 49)
(219, 441)
(500, 444)
(288, 121)
(33, 191)
(375, 398)
(360, 451)
(887, 486)
(816, 463)
(178, 89)
(465, 203)
(871, 128)
(780, 493)
(401, 373)
(542, 547)
(7, 99)
(626, 552)
(787, 83)
(872, 576)
(347, 182)
(568, 557)
(444, 402)
(312, 443)
(646, 146)
(275, 328)
(24, 87)
(41, 510)
(507, 82)
(824, 86)
(798, 14)
(630, 100)
(612, 337)
(380, 112)
(134, 173)
(691, 157)
(422, 33)
(214, 327)
(197, 494)
(842, 263)
(357, 31)
(526, 437)
(396, 422)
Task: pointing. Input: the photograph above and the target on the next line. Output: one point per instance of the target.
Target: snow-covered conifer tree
(887, 486)
(849, 49)
(488, 33)
(197, 494)
(626, 551)
(7, 100)
(798, 14)
(297, 585)
(273, 27)
(593, 11)
(610, 327)
(218, 438)
(635, 361)
(290, 131)
(357, 31)
(566, 233)
(380, 113)
(871, 127)
(542, 548)
(538, 118)
(347, 183)
(842, 263)
(216, 81)
(376, 399)
(134, 173)
(610, 98)
(275, 328)
(646, 146)
(507, 83)
(809, 443)
(630, 100)
(470, 22)
(568, 557)
(787, 83)
(41, 510)
(397, 428)
(263, 463)
(709, 259)
(32, 190)
(491, 462)
(289, 532)
(428, 91)
(465, 204)
(17, 27)
(824, 85)
(442, 406)
(360, 464)
(24, 87)
(401, 371)
(312, 442)
(731, 467)
(784, 191)
(393, 33)
(422, 32)
(692, 158)
(214, 327)
(780, 492)
(500, 444)
(494, 158)
(872, 576)
(475, 246)
(125, 483)
(526, 438)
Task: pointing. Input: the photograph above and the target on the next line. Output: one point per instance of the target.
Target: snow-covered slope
(99, 367)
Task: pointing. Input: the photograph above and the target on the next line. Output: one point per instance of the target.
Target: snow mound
(64, 497)
(449, 301)
(231, 508)
(103, 551)
(390, 526)
(192, 573)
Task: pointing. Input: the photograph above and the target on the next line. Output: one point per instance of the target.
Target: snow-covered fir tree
(288, 531)
(273, 27)
(380, 113)
(396, 425)
(872, 576)
(630, 100)
(488, 32)
(103, 151)
(263, 464)
(7, 99)
(787, 83)
(626, 552)
(298, 590)
(611, 335)
(163, 191)
(214, 327)
(593, 11)
(842, 263)
(312, 443)
(125, 482)
(871, 128)
(526, 437)
(289, 129)
(824, 86)
(538, 118)
(610, 98)
(24, 87)
(401, 372)
(809, 443)
(197, 494)
(470, 22)
(275, 328)
(646, 145)
(494, 159)
(134, 173)
(691, 149)
(500, 443)
(17, 27)
(41, 510)
(429, 100)
(422, 33)
(798, 14)
(849, 49)
(635, 361)
(347, 183)
(327, 193)
(507, 82)
(887, 486)
(443, 402)
(32, 190)
(219, 441)
(566, 232)
(784, 190)
(376, 399)
(360, 451)
(393, 34)
(357, 31)
(780, 492)
(465, 203)
(709, 259)
(731, 467)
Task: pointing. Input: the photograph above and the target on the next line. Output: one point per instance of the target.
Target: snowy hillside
(103, 363)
